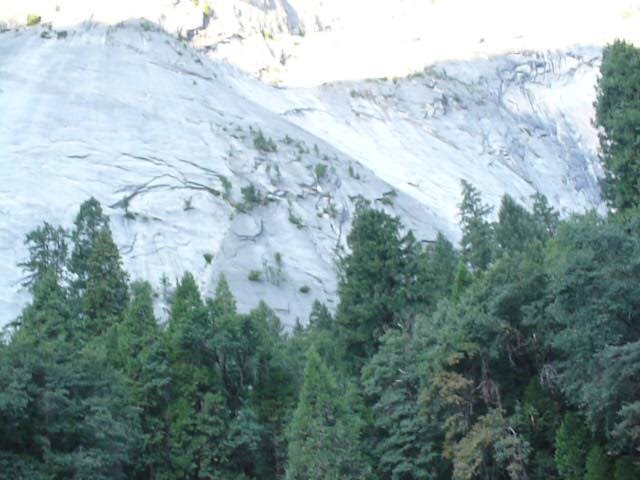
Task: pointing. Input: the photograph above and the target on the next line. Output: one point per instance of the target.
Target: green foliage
(441, 268)
(439, 364)
(488, 448)
(320, 171)
(545, 217)
(89, 222)
(593, 320)
(373, 284)
(226, 185)
(539, 420)
(478, 237)
(106, 283)
(206, 9)
(64, 410)
(404, 445)
(515, 228)
(324, 434)
(273, 271)
(625, 469)
(617, 113)
(141, 354)
(197, 414)
(305, 289)
(264, 144)
(461, 281)
(48, 252)
(251, 197)
(571, 448)
(208, 257)
(321, 333)
(598, 465)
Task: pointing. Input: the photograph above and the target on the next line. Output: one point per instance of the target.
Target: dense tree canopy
(516, 357)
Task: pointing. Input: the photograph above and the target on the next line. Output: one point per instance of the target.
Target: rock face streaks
(206, 169)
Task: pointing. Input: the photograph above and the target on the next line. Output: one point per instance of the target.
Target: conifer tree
(197, 412)
(106, 294)
(89, 222)
(545, 217)
(478, 238)
(48, 252)
(598, 466)
(617, 113)
(441, 268)
(571, 448)
(141, 355)
(373, 286)
(403, 444)
(324, 434)
(461, 281)
(515, 228)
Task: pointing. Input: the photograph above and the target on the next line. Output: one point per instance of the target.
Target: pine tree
(324, 434)
(593, 319)
(141, 355)
(598, 466)
(321, 332)
(273, 394)
(106, 294)
(545, 217)
(48, 252)
(461, 281)
(478, 237)
(571, 448)
(540, 420)
(441, 266)
(198, 414)
(373, 284)
(403, 444)
(89, 222)
(617, 113)
(515, 228)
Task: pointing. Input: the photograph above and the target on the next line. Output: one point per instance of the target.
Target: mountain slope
(166, 138)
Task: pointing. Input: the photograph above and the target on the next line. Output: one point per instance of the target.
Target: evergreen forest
(512, 356)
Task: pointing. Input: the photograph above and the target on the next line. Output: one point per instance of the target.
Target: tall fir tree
(106, 295)
(324, 434)
(141, 355)
(48, 252)
(373, 283)
(478, 236)
(89, 222)
(197, 411)
(404, 445)
(572, 443)
(516, 227)
(598, 466)
(618, 116)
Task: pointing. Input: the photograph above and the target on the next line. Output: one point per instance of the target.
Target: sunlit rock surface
(165, 137)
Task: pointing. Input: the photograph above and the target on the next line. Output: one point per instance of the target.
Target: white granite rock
(133, 116)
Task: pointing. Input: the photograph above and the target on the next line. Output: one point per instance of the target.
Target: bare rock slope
(167, 139)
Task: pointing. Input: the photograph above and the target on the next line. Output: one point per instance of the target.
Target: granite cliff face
(166, 136)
